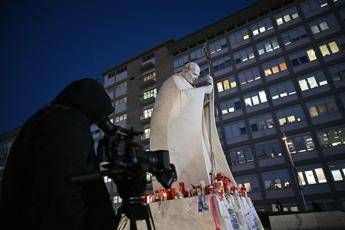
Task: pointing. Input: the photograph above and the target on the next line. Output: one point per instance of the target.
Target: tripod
(135, 211)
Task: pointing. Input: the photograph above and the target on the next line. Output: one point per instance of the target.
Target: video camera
(128, 163)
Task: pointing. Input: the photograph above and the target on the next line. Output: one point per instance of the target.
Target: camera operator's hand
(209, 88)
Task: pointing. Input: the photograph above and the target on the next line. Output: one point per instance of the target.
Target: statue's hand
(209, 87)
(210, 80)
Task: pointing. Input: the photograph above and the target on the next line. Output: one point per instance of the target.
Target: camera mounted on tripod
(128, 163)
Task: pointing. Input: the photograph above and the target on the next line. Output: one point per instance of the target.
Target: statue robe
(180, 123)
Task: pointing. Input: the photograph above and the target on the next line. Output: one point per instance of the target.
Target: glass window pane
(279, 21)
(324, 50)
(301, 178)
(312, 82)
(310, 177)
(226, 85)
(282, 66)
(262, 96)
(268, 72)
(337, 175)
(311, 55)
(334, 47)
(303, 84)
(287, 18)
(255, 100)
(315, 29)
(282, 121)
(220, 87)
(324, 26)
(320, 175)
(313, 112)
(275, 69)
(248, 102)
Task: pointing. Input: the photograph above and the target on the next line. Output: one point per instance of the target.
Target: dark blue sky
(44, 45)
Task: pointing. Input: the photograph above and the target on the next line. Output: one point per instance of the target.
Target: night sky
(44, 45)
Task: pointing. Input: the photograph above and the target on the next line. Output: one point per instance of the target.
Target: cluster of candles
(222, 185)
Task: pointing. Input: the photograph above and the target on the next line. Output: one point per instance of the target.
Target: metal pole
(294, 170)
(211, 99)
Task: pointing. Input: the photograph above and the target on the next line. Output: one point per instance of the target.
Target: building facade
(279, 72)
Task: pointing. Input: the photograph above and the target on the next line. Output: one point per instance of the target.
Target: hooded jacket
(52, 145)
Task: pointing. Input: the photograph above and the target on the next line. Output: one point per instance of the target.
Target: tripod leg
(120, 221)
(151, 217)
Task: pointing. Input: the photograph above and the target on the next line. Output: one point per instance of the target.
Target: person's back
(53, 145)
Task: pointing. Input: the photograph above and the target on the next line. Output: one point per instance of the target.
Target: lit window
(220, 87)
(312, 82)
(287, 18)
(267, 72)
(226, 85)
(334, 47)
(301, 178)
(275, 68)
(281, 90)
(149, 76)
(120, 118)
(262, 96)
(320, 175)
(313, 112)
(319, 27)
(282, 121)
(247, 186)
(147, 113)
(337, 175)
(324, 50)
(315, 29)
(245, 37)
(146, 134)
(303, 85)
(150, 94)
(310, 177)
(315, 80)
(282, 66)
(279, 21)
(322, 107)
(324, 26)
(332, 137)
(248, 102)
(311, 55)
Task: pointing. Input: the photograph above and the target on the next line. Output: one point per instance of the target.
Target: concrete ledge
(315, 220)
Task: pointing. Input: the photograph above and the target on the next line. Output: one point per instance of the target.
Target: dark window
(237, 105)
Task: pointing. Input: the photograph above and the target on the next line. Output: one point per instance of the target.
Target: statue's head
(190, 72)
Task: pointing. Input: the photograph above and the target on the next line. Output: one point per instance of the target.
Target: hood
(88, 96)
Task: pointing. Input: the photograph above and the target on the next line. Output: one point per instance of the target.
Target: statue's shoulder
(172, 79)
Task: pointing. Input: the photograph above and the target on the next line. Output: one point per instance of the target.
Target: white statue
(181, 122)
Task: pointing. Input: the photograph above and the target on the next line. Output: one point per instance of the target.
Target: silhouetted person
(52, 145)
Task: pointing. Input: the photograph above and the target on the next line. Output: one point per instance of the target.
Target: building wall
(278, 69)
